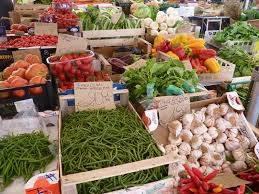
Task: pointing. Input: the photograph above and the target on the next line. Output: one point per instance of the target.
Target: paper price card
(69, 44)
(93, 95)
(41, 28)
(172, 107)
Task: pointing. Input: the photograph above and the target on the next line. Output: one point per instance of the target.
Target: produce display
(164, 23)
(107, 138)
(141, 10)
(29, 71)
(245, 63)
(210, 139)
(250, 14)
(165, 78)
(239, 31)
(15, 28)
(22, 155)
(73, 67)
(30, 41)
(103, 19)
(186, 47)
(60, 13)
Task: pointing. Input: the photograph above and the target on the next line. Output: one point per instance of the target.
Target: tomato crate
(46, 100)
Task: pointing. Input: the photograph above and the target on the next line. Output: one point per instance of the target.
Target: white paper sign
(93, 95)
(69, 44)
(234, 101)
(25, 105)
(172, 107)
(150, 118)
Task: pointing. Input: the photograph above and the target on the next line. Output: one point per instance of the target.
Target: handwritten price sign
(69, 44)
(93, 95)
(172, 107)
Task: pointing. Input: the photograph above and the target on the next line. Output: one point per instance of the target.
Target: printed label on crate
(25, 105)
(69, 44)
(41, 28)
(150, 119)
(234, 101)
(93, 95)
(6, 58)
(20, 54)
(172, 107)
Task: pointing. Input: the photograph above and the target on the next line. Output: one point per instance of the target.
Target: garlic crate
(213, 136)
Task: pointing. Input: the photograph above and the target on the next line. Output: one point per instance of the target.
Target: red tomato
(62, 76)
(68, 67)
(64, 58)
(59, 68)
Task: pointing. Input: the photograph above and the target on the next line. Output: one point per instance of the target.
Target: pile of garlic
(206, 137)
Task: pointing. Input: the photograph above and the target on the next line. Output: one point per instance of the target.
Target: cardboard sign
(20, 54)
(41, 28)
(93, 95)
(69, 44)
(172, 107)
(138, 64)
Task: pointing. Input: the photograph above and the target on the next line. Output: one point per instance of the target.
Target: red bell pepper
(180, 52)
(206, 54)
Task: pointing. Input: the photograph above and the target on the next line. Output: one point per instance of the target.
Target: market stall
(129, 99)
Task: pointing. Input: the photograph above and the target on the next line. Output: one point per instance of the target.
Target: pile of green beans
(98, 139)
(21, 155)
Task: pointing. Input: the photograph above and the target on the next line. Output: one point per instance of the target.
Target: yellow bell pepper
(198, 43)
(218, 189)
(158, 40)
(212, 65)
(172, 55)
(153, 52)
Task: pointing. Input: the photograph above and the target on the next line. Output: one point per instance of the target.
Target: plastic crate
(225, 75)
(246, 45)
(47, 100)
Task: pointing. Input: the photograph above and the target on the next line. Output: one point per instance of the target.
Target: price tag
(115, 17)
(69, 44)
(138, 64)
(234, 101)
(3, 37)
(20, 54)
(41, 28)
(25, 105)
(93, 95)
(172, 107)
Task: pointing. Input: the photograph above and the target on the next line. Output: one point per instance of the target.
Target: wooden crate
(83, 177)
(120, 37)
(30, 10)
(254, 23)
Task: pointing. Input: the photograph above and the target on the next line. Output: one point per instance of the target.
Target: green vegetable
(22, 155)
(140, 10)
(162, 74)
(250, 14)
(244, 62)
(173, 90)
(239, 31)
(98, 139)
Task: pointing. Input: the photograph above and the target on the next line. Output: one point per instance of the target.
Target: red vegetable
(206, 54)
(211, 175)
(180, 52)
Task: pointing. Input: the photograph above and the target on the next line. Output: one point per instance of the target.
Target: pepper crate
(134, 165)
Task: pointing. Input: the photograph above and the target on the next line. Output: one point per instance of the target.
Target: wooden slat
(118, 170)
(113, 33)
(112, 42)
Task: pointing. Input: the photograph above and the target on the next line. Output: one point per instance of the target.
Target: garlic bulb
(195, 164)
(232, 144)
(171, 148)
(186, 135)
(205, 147)
(213, 110)
(219, 148)
(232, 132)
(205, 159)
(238, 166)
(226, 164)
(184, 148)
(232, 117)
(175, 127)
(208, 170)
(195, 155)
(199, 116)
(244, 141)
(222, 124)
(213, 132)
(206, 138)
(222, 138)
(196, 142)
(209, 121)
(173, 140)
(224, 107)
(187, 121)
(175, 168)
(200, 130)
(217, 159)
(239, 154)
